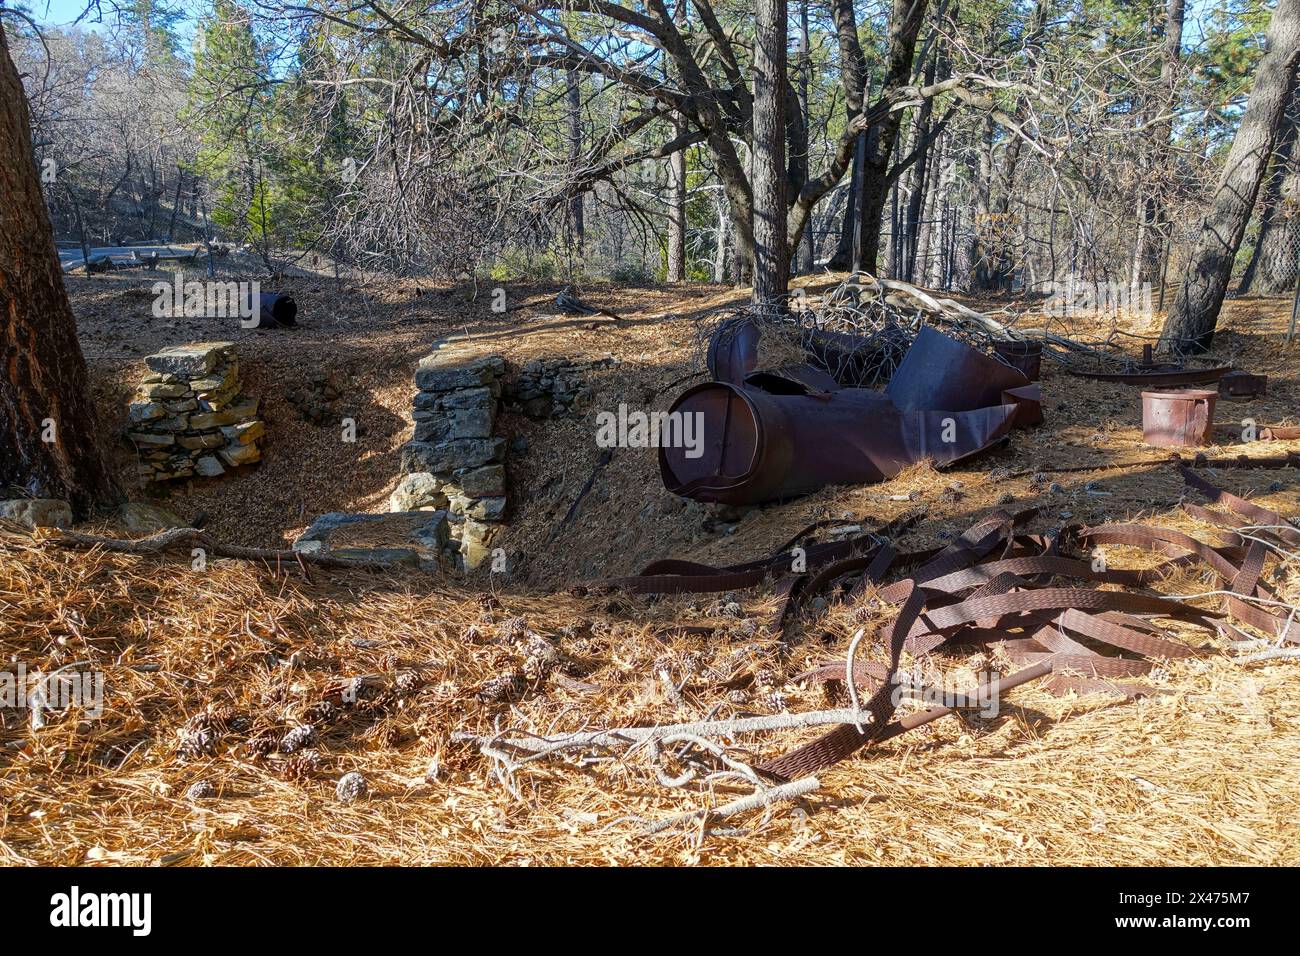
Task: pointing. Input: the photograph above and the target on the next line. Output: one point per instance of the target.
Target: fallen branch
(182, 539)
(622, 736)
(760, 798)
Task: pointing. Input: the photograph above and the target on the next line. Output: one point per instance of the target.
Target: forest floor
(202, 668)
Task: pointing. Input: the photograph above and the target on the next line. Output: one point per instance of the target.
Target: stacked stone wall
(190, 417)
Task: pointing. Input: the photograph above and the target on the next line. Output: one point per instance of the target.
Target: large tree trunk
(44, 387)
(771, 274)
(1162, 153)
(905, 22)
(577, 227)
(676, 265)
(1272, 267)
(1191, 321)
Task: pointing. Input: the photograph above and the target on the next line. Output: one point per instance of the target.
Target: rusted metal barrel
(1025, 356)
(276, 309)
(1179, 419)
(777, 437)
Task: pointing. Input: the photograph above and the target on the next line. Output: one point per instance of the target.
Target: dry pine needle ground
(210, 676)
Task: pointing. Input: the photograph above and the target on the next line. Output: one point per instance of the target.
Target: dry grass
(1207, 773)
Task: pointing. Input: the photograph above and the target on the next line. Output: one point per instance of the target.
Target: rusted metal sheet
(778, 434)
(1238, 384)
(1168, 378)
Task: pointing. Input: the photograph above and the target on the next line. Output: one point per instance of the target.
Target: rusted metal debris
(998, 587)
(1025, 356)
(1238, 384)
(780, 433)
(1178, 419)
(1148, 371)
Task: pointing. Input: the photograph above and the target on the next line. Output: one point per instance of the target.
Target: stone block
(190, 361)
(476, 543)
(145, 411)
(200, 442)
(455, 424)
(174, 423)
(405, 537)
(464, 398)
(485, 509)
(209, 467)
(235, 414)
(449, 370)
(163, 390)
(37, 512)
(245, 433)
(486, 482)
(236, 454)
(446, 457)
(417, 490)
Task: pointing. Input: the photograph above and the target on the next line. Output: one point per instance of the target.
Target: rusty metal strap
(1029, 566)
(1089, 665)
(1057, 599)
(1284, 529)
(672, 576)
(1149, 537)
(846, 739)
(1116, 635)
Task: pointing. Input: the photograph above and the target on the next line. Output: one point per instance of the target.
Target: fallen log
(179, 539)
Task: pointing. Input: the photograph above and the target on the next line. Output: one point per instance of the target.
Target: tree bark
(573, 94)
(1191, 322)
(799, 161)
(904, 26)
(771, 269)
(723, 234)
(1272, 267)
(920, 183)
(44, 385)
(1162, 153)
(676, 265)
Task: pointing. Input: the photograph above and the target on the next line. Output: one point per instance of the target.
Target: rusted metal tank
(782, 433)
(1178, 419)
(1026, 357)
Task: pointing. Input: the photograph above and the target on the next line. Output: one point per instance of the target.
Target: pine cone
(304, 735)
(503, 688)
(201, 790)
(351, 787)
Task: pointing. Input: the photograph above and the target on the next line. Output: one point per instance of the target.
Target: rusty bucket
(1025, 356)
(1178, 419)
